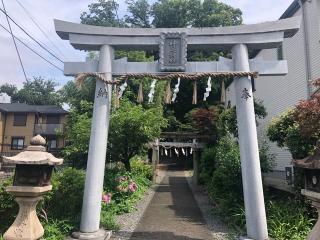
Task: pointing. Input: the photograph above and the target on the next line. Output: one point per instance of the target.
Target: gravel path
(129, 221)
(173, 213)
(218, 229)
(195, 219)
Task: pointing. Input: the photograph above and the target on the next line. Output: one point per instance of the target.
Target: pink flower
(106, 198)
(133, 187)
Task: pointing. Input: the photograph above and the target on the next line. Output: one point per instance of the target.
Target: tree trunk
(126, 160)
(127, 165)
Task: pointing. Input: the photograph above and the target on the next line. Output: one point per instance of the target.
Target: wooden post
(195, 162)
(155, 160)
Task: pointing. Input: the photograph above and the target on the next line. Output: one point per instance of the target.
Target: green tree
(77, 134)
(213, 13)
(74, 95)
(227, 122)
(131, 127)
(37, 91)
(102, 13)
(9, 89)
(171, 13)
(194, 13)
(139, 13)
(286, 132)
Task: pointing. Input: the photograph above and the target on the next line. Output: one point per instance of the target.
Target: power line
(15, 44)
(52, 54)
(31, 49)
(34, 20)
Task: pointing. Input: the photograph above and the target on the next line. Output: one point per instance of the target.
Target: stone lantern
(311, 166)
(31, 180)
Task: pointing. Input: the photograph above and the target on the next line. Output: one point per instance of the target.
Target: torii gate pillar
(91, 207)
(249, 152)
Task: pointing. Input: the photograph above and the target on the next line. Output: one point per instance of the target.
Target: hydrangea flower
(107, 198)
(133, 187)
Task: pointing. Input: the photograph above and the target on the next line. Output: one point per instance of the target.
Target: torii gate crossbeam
(173, 44)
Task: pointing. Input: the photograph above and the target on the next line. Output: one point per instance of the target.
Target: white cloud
(45, 11)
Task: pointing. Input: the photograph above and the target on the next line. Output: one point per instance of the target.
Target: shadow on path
(173, 213)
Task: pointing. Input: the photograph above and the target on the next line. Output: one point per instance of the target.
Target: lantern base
(26, 225)
(98, 235)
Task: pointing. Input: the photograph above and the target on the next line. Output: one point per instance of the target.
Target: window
(19, 119)
(17, 143)
(53, 119)
(52, 144)
(280, 53)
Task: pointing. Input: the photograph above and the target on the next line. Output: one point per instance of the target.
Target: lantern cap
(310, 162)
(35, 154)
(38, 140)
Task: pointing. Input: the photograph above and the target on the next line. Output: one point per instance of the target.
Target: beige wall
(2, 119)
(19, 131)
(27, 131)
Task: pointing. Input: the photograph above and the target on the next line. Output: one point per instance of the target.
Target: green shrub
(287, 132)
(287, 220)
(68, 186)
(221, 168)
(140, 168)
(266, 158)
(8, 207)
(226, 183)
(56, 229)
(108, 220)
(207, 165)
(61, 208)
(117, 182)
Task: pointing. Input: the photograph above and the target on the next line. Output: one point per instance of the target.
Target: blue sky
(44, 11)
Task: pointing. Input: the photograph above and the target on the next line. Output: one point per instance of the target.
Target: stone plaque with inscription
(173, 52)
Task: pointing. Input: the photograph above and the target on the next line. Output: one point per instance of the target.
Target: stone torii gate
(173, 44)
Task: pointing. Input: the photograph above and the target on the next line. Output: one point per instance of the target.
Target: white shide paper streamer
(183, 152)
(152, 89)
(175, 91)
(208, 90)
(122, 89)
(176, 151)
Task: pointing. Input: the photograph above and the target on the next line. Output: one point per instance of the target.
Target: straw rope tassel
(195, 93)
(168, 93)
(223, 92)
(117, 97)
(140, 93)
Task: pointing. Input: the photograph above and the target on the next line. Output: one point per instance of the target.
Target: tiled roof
(26, 108)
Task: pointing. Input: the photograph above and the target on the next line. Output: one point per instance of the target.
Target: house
(19, 122)
(279, 93)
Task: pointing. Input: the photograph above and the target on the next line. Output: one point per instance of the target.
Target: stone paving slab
(173, 213)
